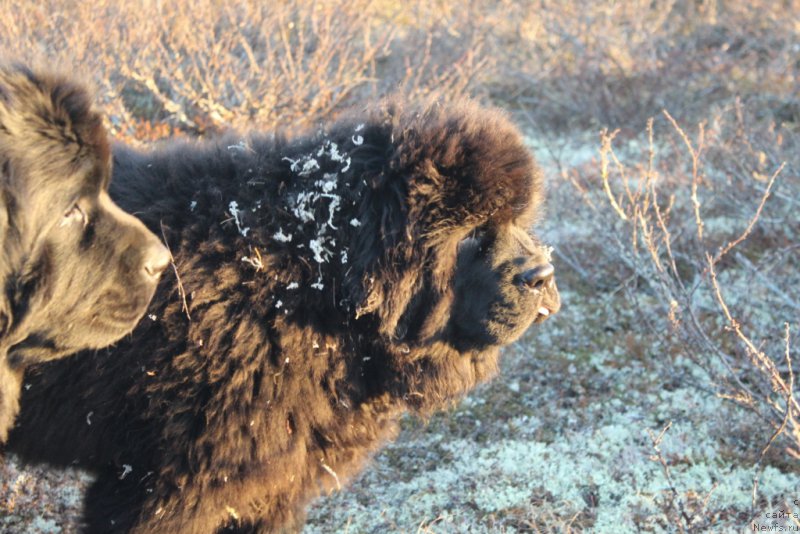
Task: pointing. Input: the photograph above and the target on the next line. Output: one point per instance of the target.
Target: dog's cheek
(37, 286)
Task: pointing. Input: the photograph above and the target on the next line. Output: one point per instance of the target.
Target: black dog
(327, 284)
(77, 272)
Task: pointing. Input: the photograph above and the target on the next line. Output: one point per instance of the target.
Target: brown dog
(328, 284)
(77, 272)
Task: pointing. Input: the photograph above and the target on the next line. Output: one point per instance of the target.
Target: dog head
(77, 271)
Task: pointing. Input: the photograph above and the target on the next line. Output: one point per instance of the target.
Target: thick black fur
(364, 271)
(76, 271)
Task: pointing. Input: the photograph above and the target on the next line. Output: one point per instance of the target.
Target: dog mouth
(548, 306)
(542, 293)
(543, 300)
(121, 321)
(542, 314)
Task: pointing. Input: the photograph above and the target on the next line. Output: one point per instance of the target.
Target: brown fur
(365, 271)
(69, 258)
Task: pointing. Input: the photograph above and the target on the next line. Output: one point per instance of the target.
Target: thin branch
(605, 149)
(695, 176)
(727, 248)
(786, 418)
(656, 441)
(181, 291)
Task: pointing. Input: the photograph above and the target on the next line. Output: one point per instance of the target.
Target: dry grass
(697, 209)
(703, 227)
(208, 65)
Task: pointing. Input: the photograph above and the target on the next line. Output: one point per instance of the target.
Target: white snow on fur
(280, 236)
(233, 207)
(318, 246)
(126, 470)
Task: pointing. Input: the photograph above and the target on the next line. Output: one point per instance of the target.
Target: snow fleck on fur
(334, 154)
(309, 166)
(321, 254)
(303, 166)
(355, 223)
(328, 182)
(332, 208)
(358, 140)
(126, 469)
(293, 285)
(280, 236)
(233, 207)
(241, 146)
(302, 210)
(192, 205)
(307, 202)
(333, 151)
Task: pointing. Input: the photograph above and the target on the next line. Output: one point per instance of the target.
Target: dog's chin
(506, 334)
(35, 349)
(485, 336)
(106, 331)
(46, 346)
(119, 308)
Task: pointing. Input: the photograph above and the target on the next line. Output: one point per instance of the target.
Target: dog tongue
(544, 311)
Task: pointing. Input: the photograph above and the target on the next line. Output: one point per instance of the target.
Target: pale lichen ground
(559, 440)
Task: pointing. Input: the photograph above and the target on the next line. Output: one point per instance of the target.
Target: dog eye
(74, 215)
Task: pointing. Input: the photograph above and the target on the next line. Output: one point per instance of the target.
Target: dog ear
(48, 120)
(463, 165)
(445, 171)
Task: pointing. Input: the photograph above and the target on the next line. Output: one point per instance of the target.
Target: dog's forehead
(522, 238)
(61, 186)
(514, 239)
(48, 125)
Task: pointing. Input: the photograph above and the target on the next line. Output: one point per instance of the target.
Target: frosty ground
(560, 440)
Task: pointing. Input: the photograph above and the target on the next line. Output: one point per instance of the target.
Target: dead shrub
(703, 239)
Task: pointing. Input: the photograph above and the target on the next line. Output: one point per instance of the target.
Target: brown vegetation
(696, 267)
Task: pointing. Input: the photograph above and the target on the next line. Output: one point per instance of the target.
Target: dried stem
(181, 291)
(656, 442)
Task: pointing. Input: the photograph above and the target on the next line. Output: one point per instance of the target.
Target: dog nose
(537, 277)
(156, 260)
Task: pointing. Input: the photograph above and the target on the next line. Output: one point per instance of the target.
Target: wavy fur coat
(327, 283)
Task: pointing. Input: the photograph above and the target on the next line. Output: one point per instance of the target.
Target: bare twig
(656, 442)
(695, 154)
(786, 418)
(727, 248)
(181, 291)
(605, 148)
